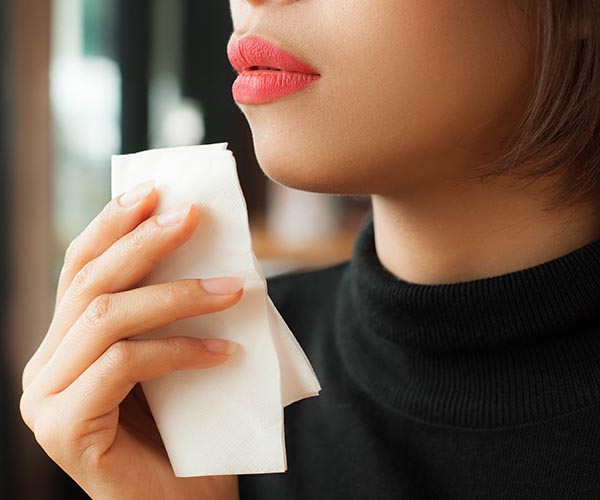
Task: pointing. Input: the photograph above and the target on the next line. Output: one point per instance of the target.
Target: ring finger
(121, 266)
(113, 317)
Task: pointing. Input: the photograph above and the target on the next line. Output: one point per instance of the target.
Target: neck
(459, 233)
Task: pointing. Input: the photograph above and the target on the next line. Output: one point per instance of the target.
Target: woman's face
(412, 92)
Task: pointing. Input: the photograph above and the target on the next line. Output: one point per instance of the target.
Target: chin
(301, 167)
(307, 163)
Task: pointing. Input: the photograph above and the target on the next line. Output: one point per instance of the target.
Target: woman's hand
(80, 393)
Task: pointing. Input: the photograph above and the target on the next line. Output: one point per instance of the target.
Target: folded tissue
(227, 419)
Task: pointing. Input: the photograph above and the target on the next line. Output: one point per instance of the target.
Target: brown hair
(559, 133)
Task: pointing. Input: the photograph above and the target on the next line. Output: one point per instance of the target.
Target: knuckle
(180, 349)
(30, 371)
(48, 434)
(172, 293)
(118, 354)
(27, 374)
(177, 297)
(55, 434)
(100, 309)
(137, 238)
(81, 280)
(27, 409)
(178, 344)
(191, 289)
(182, 293)
(57, 430)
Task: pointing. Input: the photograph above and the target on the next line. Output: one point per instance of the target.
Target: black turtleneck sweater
(482, 389)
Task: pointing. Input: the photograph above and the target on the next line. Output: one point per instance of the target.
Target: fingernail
(219, 346)
(223, 286)
(136, 194)
(174, 215)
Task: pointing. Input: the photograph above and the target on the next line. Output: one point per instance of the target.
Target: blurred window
(85, 90)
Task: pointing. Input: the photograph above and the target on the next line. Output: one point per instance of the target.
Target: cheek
(405, 84)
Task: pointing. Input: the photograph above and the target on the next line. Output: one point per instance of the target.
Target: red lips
(251, 52)
(266, 72)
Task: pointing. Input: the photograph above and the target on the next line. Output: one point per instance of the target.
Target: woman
(458, 348)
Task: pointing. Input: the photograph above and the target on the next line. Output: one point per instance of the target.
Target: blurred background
(83, 80)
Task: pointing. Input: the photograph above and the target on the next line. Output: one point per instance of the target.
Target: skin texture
(413, 94)
(80, 393)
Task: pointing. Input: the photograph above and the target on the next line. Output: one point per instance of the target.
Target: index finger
(118, 217)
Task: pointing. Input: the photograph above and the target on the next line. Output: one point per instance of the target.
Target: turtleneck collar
(499, 351)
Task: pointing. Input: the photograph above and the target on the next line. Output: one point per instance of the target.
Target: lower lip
(262, 86)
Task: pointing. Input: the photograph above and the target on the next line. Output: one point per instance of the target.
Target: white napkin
(227, 419)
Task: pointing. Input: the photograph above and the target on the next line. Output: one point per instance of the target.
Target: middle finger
(124, 264)
(114, 317)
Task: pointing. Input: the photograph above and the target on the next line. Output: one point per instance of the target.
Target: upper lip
(249, 52)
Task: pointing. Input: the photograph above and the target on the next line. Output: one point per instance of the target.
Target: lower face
(411, 93)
